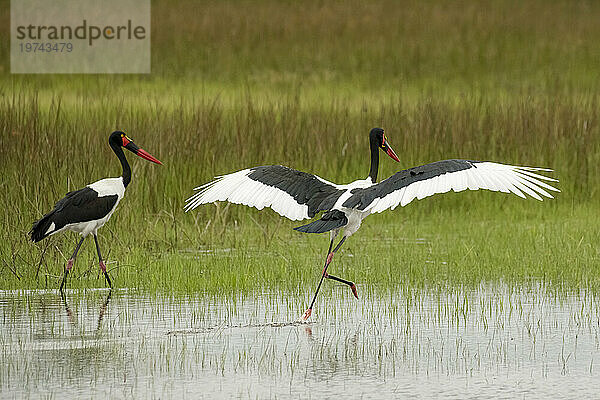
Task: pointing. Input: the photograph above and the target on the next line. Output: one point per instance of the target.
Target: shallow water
(454, 342)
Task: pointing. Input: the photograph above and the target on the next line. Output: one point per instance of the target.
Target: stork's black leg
(323, 276)
(345, 282)
(70, 264)
(335, 278)
(309, 309)
(102, 266)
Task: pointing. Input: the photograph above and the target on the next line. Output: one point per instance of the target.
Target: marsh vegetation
(479, 287)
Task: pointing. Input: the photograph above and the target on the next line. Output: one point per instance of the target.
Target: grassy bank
(498, 241)
(242, 84)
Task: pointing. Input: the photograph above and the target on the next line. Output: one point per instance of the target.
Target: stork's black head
(377, 138)
(119, 139)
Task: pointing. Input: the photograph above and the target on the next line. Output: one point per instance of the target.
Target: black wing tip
(39, 228)
(317, 226)
(36, 238)
(37, 232)
(329, 221)
(302, 228)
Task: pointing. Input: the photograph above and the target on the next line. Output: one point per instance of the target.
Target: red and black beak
(385, 146)
(129, 145)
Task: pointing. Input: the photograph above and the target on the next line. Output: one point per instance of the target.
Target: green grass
(236, 84)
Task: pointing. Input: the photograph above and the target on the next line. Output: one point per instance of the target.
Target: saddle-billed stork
(298, 195)
(86, 210)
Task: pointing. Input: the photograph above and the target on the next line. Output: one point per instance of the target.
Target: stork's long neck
(374, 161)
(126, 169)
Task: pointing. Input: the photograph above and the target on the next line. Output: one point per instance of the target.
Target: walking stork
(86, 210)
(298, 195)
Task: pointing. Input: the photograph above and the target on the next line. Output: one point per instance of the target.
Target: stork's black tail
(329, 221)
(40, 228)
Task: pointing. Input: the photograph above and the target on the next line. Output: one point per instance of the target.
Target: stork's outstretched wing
(290, 193)
(443, 176)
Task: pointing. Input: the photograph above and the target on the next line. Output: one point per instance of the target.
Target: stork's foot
(69, 264)
(306, 315)
(103, 268)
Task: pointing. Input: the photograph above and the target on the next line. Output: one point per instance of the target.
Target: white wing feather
(522, 181)
(238, 188)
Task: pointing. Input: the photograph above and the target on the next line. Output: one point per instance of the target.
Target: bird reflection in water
(71, 316)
